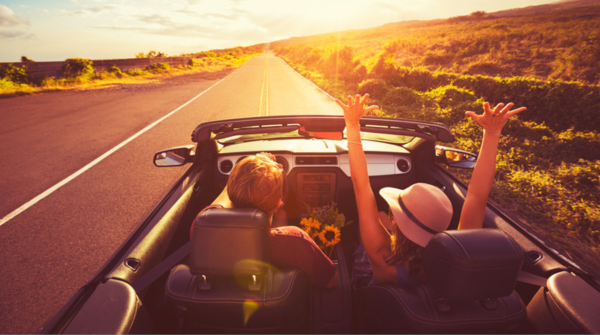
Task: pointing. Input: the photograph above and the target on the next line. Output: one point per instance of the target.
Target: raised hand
(354, 110)
(494, 120)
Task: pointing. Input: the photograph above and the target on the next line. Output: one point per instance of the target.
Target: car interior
(498, 279)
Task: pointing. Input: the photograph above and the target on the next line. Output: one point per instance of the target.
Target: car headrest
(230, 241)
(472, 263)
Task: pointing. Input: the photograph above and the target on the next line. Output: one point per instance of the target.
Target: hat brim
(406, 225)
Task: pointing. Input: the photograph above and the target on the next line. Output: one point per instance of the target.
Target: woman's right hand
(354, 110)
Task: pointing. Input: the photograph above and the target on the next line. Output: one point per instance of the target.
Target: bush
(405, 103)
(9, 87)
(560, 105)
(150, 54)
(158, 67)
(115, 71)
(76, 67)
(15, 74)
(136, 72)
(375, 87)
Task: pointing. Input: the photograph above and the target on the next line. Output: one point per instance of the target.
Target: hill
(546, 58)
(555, 41)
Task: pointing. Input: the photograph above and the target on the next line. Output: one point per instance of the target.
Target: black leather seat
(471, 278)
(230, 287)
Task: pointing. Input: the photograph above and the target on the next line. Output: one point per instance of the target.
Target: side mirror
(175, 156)
(455, 157)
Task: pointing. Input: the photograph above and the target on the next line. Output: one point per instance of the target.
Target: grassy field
(80, 74)
(545, 58)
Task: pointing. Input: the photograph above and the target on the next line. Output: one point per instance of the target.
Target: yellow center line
(267, 92)
(262, 91)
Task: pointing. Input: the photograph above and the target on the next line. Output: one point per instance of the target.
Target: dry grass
(549, 158)
(105, 79)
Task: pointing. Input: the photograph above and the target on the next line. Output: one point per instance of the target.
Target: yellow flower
(310, 223)
(330, 236)
(317, 238)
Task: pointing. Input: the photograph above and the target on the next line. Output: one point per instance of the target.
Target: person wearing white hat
(421, 210)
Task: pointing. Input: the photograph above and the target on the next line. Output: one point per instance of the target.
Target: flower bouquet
(324, 226)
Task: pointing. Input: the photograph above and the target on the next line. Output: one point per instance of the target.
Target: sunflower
(317, 238)
(309, 223)
(330, 236)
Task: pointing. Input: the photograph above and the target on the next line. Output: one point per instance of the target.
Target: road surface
(53, 247)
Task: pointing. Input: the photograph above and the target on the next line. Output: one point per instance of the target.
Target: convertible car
(500, 279)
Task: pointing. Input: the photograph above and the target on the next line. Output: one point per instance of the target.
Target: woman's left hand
(494, 120)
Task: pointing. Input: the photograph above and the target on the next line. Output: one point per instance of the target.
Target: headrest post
(204, 283)
(254, 284)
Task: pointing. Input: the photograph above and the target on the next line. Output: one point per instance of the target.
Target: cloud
(157, 19)
(82, 12)
(9, 18)
(178, 30)
(15, 34)
(234, 15)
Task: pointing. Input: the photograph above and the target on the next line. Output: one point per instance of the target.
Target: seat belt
(530, 278)
(162, 267)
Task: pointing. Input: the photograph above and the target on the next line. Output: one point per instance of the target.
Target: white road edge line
(96, 161)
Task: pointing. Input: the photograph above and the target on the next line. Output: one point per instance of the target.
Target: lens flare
(250, 306)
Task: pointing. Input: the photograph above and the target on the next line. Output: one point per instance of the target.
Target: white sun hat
(420, 211)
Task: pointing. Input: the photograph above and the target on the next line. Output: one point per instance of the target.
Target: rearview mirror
(175, 156)
(324, 135)
(455, 157)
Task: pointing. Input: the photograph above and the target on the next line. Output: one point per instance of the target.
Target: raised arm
(374, 236)
(492, 121)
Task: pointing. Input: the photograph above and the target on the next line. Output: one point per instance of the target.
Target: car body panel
(166, 228)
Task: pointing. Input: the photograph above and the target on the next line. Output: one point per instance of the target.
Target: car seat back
(471, 278)
(230, 241)
(229, 286)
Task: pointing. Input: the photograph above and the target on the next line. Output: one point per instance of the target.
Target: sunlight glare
(250, 306)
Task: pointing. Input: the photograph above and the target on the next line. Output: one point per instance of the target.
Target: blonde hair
(256, 182)
(405, 250)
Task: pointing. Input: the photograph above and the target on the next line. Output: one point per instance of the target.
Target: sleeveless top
(362, 273)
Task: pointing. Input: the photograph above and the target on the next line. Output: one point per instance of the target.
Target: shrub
(560, 105)
(437, 57)
(404, 102)
(136, 72)
(375, 87)
(158, 67)
(115, 71)
(75, 67)
(15, 74)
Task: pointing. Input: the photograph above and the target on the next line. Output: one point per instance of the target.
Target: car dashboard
(318, 171)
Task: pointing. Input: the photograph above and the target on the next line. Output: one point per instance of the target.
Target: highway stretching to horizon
(50, 248)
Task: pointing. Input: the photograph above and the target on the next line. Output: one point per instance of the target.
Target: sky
(53, 30)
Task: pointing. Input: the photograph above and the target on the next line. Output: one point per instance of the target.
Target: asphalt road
(55, 246)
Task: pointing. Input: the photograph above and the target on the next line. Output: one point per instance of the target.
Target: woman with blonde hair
(421, 210)
(258, 182)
